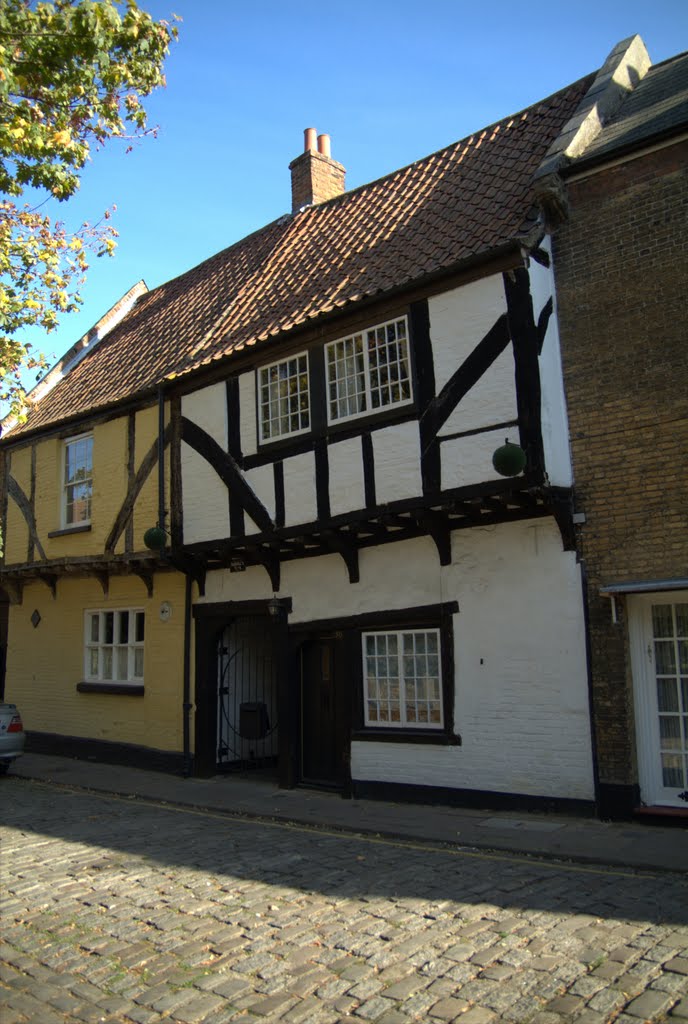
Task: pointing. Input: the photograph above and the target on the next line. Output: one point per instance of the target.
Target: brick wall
(622, 282)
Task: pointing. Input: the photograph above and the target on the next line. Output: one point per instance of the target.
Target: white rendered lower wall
(520, 686)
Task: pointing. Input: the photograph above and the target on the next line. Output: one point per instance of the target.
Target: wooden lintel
(147, 577)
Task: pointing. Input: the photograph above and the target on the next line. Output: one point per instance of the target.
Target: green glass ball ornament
(509, 460)
(154, 538)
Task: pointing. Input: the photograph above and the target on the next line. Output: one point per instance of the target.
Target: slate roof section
(657, 107)
(459, 204)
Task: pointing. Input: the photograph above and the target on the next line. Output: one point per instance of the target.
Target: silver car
(11, 735)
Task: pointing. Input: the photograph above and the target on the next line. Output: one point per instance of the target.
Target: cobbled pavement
(121, 910)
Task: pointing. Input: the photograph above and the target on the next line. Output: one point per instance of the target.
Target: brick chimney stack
(315, 176)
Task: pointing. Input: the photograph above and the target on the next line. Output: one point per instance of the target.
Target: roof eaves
(73, 356)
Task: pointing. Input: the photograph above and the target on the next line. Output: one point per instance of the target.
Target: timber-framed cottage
(309, 505)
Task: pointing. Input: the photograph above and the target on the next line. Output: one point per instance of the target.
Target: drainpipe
(186, 705)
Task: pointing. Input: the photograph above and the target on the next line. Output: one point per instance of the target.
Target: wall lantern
(154, 538)
(510, 459)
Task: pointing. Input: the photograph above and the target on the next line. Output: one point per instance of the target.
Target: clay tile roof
(461, 203)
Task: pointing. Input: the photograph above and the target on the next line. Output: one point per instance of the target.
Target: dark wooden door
(323, 733)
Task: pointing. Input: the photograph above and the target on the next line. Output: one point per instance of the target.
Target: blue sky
(390, 82)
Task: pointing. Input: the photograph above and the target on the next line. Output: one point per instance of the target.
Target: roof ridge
(343, 196)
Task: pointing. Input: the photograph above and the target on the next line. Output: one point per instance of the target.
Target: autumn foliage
(73, 74)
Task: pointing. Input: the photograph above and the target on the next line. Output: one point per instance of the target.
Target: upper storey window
(283, 398)
(77, 488)
(368, 371)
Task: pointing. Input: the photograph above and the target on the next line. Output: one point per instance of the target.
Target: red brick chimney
(315, 176)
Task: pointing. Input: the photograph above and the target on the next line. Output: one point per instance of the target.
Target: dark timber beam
(190, 565)
(24, 505)
(461, 382)
(144, 471)
(526, 341)
(437, 527)
(268, 557)
(229, 472)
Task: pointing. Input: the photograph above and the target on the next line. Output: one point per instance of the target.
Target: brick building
(621, 266)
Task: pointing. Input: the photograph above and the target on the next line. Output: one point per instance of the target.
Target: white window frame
(263, 384)
(65, 483)
(368, 389)
(98, 643)
(402, 722)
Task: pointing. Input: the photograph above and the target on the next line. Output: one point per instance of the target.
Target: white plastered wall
(459, 320)
(204, 495)
(520, 686)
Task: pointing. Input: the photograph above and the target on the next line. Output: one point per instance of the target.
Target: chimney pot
(315, 176)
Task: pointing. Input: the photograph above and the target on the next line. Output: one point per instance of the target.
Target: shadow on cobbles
(115, 836)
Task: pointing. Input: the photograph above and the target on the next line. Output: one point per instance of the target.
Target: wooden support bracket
(335, 542)
(146, 575)
(437, 527)
(50, 580)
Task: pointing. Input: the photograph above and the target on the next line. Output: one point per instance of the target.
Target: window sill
(437, 736)
(86, 528)
(121, 689)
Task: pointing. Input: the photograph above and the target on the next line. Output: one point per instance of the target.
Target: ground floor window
(114, 642)
(402, 679)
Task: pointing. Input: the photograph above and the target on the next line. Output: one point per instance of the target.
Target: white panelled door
(659, 647)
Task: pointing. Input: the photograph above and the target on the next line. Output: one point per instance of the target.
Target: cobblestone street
(121, 910)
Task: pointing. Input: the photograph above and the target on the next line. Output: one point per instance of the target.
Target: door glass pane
(683, 656)
(662, 620)
(670, 732)
(665, 657)
(682, 620)
(667, 695)
(672, 770)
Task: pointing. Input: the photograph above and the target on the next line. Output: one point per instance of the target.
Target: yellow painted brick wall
(17, 539)
(45, 664)
(110, 483)
(146, 509)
